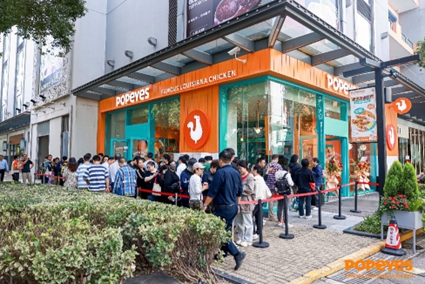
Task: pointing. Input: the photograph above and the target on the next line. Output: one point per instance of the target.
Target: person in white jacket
(284, 173)
(195, 185)
(262, 192)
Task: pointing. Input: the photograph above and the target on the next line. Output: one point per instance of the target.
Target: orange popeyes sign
(401, 105)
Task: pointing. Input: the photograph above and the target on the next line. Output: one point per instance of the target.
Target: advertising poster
(50, 68)
(205, 14)
(363, 115)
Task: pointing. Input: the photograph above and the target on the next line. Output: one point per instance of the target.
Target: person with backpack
(283, 186)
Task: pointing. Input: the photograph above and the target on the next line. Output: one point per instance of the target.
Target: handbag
(312, 186)
(156, 187)
(196, 204)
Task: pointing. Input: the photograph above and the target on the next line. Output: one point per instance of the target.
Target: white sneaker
(301, 216)
(239, 242)
(255, 236)
(244, 244)
(289, 225)
(308, 217)
(280, 224)
(315, 208)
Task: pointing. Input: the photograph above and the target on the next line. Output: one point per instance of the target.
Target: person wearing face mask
(171, 183)
(150, 177)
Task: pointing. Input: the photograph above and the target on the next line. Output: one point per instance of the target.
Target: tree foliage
(421, 51)
(408, 184)
(393, 180)
(41, 19)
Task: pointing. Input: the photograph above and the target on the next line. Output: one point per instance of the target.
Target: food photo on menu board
(363, 115)
(205, 14)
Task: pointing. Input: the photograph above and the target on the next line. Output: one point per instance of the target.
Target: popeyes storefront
(272, 104)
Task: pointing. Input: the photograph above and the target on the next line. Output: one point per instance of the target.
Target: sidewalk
(311, 249)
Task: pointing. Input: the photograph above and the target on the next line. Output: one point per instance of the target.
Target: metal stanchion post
(320, 226)
(176, 197)
(356, 186)
(339, 216)
(285, 214)
(260, 244)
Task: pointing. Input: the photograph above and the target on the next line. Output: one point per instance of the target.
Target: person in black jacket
(170, 183)
(294, 167)
(303, 179)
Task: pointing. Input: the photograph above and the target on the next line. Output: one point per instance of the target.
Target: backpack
(282, 186)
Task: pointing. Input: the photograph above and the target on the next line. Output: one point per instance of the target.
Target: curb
(338, 264)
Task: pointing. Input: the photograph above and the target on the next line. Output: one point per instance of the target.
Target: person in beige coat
(244, 217)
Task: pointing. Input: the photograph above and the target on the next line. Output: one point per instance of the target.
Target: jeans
(2, 174)
(280, 207)
(15, 176)
(256, 215)
(271, 205)
(228, 213)
(307, 205)
(244, 222)
(26, 176)
(46, 179)
(316, 197)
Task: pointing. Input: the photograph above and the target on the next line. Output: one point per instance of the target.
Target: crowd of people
(215, 186)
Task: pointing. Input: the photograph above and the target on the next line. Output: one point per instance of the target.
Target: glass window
(327, 10)
(363, 32)
(167, 127)
(117, 125)
(247, 121)
(20, 61)
(271, 118)
(139, 115)
(332, 108)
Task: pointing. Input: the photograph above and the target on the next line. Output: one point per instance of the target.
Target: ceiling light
(128, 53)
(110, 63)
(152, 41)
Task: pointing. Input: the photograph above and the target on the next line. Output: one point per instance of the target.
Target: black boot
(239, 259)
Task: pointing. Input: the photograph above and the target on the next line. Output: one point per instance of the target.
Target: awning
(283, 25)
(15, 123)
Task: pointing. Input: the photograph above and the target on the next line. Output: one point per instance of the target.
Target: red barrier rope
(47, 175)
(273, 198)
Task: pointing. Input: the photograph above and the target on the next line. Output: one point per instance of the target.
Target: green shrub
(393, 180)
(49, 234)
(371, 224)
(421, 188)
(408, 184)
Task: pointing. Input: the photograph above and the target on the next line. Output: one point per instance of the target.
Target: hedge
(50, 234)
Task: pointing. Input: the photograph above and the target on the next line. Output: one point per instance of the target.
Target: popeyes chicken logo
(391, 136)
(197, 127)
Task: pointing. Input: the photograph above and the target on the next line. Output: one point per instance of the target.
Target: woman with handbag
(244, 217)
(196, 188)
(151, 179)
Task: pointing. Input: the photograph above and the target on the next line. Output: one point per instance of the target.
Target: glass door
(119, 146)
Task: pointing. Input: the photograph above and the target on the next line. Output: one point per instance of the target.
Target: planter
(405, 220)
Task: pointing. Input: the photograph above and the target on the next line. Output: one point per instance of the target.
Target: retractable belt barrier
(52, 176)
(285, 235)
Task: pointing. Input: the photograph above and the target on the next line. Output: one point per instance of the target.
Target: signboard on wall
(205, 14)
(363, 115)
(50, 67)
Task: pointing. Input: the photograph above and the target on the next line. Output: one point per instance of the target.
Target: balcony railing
(407, 40)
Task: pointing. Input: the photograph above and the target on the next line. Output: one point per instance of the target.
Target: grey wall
(88, 54)
(413, 26)
(382, 46)
(129, 26)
